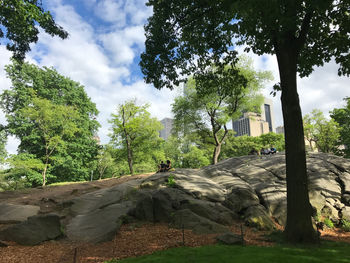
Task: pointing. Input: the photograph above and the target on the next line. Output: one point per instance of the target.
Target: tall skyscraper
(255, 124)
(168, 126)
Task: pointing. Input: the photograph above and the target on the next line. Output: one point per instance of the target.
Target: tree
(342, 117)
(105, 160)
(24, 171)
(186, 36)
(3, 152)
(72, 161)
(137, 133)
(55, 124)
(187, 151)
(19, 21)
(324, 133)
(217, 97)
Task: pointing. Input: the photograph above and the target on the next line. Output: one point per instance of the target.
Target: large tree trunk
(299, 228)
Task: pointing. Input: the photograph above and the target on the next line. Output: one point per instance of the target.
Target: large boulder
(10, 213)
(34, 230)
(200, 225)
(257, 216)
(98, 225)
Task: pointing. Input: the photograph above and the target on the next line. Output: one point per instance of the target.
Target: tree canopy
(324, 133)
(3, 152)
(56, 124)
(184, 37)
(29, 82)
(19, 25)
(342, 117)
(219, 97)
(137, 134)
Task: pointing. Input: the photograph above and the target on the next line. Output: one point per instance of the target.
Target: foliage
(185, 37)
(137, 134)
(55, 124)
(342, 117)
(325, 134)
(326, 252)
(26, 167)
(186, 152)
(3, 141)
(104, 161)
(345, 225)
(328, 223)
(214, 98)
(19, 21)
(171, 181)
(71, 162)
(240, 146)
(195, 158)
(272, 139)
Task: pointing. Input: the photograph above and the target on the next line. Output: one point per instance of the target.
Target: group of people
(268, 151)
(164, 167)
(263, 151)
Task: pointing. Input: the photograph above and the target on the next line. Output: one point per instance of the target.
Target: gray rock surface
(10, 213)
(251, 188)
(34, 230)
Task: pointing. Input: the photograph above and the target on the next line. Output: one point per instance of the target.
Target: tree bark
(130, 157)
(299, 228)
(44, 171)
(216, 153)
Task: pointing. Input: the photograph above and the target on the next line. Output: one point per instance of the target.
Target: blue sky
(103, 50)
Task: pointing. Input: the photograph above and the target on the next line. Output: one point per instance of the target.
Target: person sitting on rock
(161, 167)
(273, 150)
(168, 165)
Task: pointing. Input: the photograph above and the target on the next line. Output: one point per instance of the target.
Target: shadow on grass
(326, 251)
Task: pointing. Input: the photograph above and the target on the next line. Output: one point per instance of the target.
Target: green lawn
(329, 252)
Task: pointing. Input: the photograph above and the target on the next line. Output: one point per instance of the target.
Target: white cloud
(124, 44)
(111, 11)
(122, 13)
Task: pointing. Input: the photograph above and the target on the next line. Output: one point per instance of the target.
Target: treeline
(55, 121)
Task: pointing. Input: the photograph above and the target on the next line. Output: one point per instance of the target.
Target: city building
(255, 124)
(168, 126)
(280, 130)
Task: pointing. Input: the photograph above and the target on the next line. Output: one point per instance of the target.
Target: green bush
(171, 181)
(345, 225)
(328, 223)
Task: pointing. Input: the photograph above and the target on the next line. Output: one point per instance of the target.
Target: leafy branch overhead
(19, 22)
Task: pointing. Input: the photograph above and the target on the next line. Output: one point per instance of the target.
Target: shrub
(345, 225)
(328, 223)
(171, 181)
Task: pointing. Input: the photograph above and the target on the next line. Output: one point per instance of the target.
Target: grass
(330, 252)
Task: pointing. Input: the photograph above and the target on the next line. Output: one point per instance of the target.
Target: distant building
(255, 124)
(280, 129)
(168, 126)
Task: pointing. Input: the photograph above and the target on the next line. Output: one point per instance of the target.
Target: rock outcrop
(251, 188)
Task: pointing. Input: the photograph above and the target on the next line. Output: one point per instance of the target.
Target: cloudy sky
(106, 38)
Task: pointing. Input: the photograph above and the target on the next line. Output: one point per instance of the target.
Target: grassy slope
(329, 252)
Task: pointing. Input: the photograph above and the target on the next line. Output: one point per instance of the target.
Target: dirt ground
(132, 240)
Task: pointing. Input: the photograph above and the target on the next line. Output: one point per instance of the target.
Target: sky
(102, 52)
